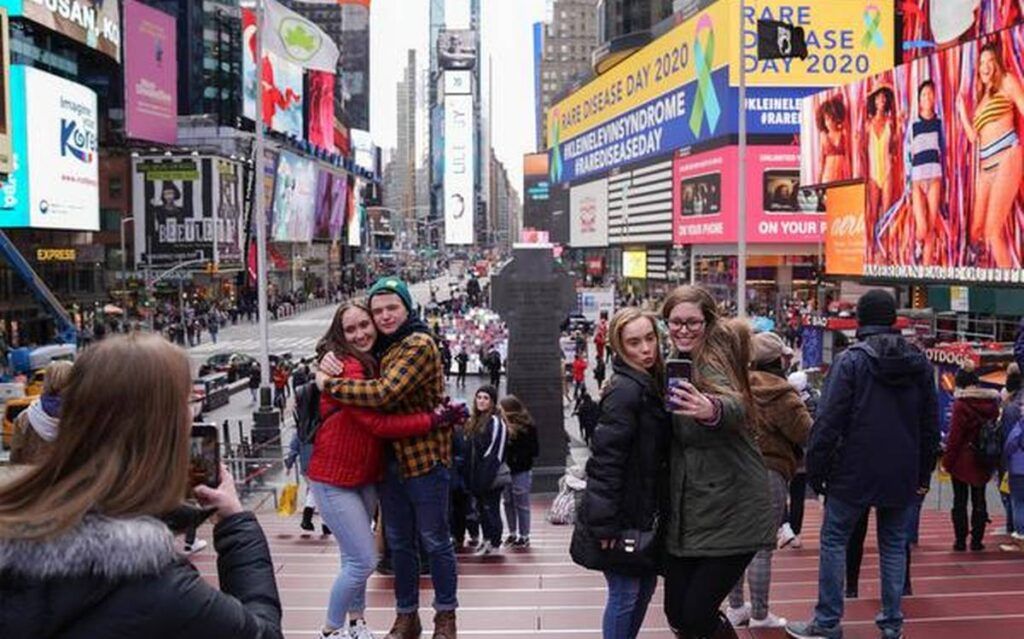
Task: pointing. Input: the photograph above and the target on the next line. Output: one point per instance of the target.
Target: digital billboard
(282, 84)
(150, 74)
(356, 213)
(55, 182)
(929, 25)
(456, 49)
(364, 151)
(459, 179)
(331, 203)
(181, 204)
(844, 244)
(94, 23)
(937, 144)
(6, 152)
(588, 214)
(294, 199)
(536, 192)
(779, 210)
(458, 82)
(320, 98)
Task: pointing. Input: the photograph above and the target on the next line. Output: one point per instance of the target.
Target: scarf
(42, 416)
(385, 342)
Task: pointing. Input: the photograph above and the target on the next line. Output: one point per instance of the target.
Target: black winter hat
(490, 390)
(876, 308)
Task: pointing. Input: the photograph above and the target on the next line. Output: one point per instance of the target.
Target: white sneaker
(340, 633)
(738, 616)
(771, 621)
(1016, 536)
(785, 535)
(485, 549)
(359, 630)
(796, 543)
(195, 547)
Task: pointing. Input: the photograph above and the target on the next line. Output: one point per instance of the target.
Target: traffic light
(212, 268)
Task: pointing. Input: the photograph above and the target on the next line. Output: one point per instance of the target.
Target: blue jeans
(626, 607)
(419, 506)
(517, 503)
(349, 514)
(836, 529)
(1017, 502)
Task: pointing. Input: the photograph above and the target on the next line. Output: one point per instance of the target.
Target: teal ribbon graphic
(706, 102)
(556, 147)
(872, 20)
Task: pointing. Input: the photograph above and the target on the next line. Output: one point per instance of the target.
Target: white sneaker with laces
(359, 630)
(771, 621)
(738, 616)
(340, 633)
(195, 547)
(485, 550)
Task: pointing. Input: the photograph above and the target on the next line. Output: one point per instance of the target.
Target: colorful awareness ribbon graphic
(556, 148)
(707, 99)
(872, 20)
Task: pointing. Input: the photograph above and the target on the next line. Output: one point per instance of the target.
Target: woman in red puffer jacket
(973, 408)
(347, 464)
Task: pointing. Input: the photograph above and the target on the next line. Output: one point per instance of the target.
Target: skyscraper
(563, 51)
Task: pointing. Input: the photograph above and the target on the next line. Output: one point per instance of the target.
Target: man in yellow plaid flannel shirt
(415, 490)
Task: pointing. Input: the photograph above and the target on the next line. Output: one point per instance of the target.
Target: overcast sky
(506, 36)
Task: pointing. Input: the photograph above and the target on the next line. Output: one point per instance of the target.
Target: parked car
(236, 365)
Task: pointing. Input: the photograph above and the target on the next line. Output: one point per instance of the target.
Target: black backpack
(307, 411)
(988, 445)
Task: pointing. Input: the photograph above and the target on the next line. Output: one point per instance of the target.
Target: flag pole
(260, 215)
(741, 252)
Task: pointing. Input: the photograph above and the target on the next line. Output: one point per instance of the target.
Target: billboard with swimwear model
(937, 144)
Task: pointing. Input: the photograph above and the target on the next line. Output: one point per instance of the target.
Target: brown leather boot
(407, 626)
(444, 625)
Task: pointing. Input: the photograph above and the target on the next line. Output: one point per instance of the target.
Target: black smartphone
(204, 456)
(676, 370)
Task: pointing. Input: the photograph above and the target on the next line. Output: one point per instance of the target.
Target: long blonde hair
(123, 444)
(724, 349)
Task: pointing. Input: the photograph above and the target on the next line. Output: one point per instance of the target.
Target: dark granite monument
(534, 295)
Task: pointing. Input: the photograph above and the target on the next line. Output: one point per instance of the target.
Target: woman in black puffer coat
(625, 475)
(83, 549)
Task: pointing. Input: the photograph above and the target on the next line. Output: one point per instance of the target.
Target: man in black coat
(873, 444)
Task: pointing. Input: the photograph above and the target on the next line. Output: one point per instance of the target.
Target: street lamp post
(124, 266)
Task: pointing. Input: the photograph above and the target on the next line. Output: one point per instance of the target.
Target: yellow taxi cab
(34, 385)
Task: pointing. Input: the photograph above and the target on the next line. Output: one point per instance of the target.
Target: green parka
(719, 497)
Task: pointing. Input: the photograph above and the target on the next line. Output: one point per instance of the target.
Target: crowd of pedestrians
(701, 444)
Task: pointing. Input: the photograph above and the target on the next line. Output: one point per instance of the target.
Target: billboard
(844, 244)
(634, 263)
(846, 40)
(331, 203)
(55, 182)
(457, 14)
(94, 23)
(929, 25)
(6, 152)
(536, 192)
(294, 199)
(356, 212)
(456, 49)
(364, 151)
(150, 74)
(459, 180)
(936, 142)
(779, 210)
(282, 84)
(458, 82)
(320, 98)
(181, 204)
(588, 214)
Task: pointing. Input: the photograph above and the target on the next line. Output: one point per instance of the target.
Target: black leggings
(797, 496)
(695, 588)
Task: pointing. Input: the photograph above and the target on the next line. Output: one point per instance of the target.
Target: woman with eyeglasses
(719, 504)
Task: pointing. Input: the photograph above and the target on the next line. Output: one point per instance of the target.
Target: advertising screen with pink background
(151, 74)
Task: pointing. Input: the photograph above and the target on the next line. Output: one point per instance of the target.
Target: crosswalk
(297, 346)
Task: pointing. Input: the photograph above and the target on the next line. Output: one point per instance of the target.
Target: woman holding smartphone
(82, 551)
(625, 474)
(720, 508)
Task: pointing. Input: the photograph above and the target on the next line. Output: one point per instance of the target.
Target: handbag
(502, 478)
(634, 553)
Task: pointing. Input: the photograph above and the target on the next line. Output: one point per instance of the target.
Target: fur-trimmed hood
(977, 392)
(99, 546)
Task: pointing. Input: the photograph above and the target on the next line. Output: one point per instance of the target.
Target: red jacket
(348, 447)
(579, 369)
(971, 410)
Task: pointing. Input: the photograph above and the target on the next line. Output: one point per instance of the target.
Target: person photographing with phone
(720, 509)
(617, 528)
(83, 550)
